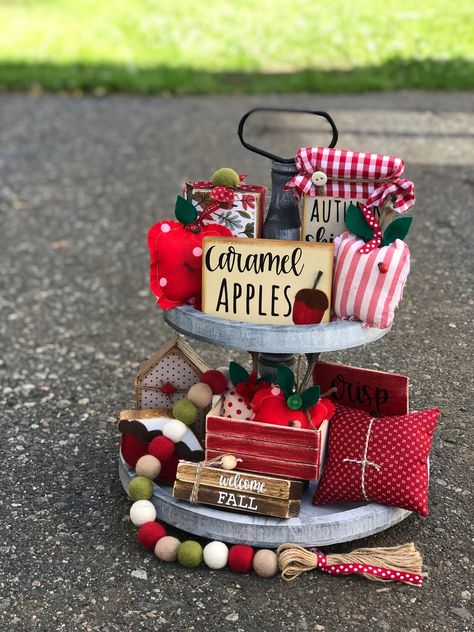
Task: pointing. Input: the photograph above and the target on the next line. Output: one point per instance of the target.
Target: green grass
(219, 46)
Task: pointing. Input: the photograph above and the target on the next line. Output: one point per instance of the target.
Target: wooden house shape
(165, 377)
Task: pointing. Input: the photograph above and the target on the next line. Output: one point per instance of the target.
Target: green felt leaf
(310, 396)
(357, 224)
(185, 212)
(397, 229)
(238, 374)
(285, 379)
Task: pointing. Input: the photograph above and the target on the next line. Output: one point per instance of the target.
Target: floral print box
(243, 216)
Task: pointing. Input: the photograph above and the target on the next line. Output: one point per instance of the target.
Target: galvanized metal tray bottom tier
(315, 526)
(334, 336)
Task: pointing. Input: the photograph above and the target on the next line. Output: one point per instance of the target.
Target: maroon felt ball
(132, 449)
(149, 534)
(241, 558)
(216, 380)
(161, 447)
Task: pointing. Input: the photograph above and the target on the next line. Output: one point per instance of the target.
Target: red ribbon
(354, 569)
(221, 196)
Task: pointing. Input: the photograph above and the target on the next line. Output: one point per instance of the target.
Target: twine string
(217, 460)
(364, 462)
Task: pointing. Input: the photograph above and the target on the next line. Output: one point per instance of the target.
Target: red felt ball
(161, 447)
(216, 380)
(240, 558)
(132, 449)
(168, 470)
(149, 534)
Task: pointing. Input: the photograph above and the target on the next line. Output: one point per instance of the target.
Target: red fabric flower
(167, 389)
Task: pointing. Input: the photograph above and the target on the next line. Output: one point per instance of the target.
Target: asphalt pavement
(81, 179)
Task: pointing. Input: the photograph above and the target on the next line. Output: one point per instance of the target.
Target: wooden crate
(267, 448)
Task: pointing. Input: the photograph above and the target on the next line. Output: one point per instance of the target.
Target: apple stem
(318, 277)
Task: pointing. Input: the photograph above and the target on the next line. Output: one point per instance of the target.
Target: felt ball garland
(402, 563)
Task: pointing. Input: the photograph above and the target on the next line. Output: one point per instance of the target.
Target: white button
(319, 178)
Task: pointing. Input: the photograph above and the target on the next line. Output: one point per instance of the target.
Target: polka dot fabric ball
(235, 407)
(241, 558)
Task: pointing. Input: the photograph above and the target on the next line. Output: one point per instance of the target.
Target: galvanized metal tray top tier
(334, 336)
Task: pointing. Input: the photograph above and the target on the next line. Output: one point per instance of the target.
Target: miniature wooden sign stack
(238, 491)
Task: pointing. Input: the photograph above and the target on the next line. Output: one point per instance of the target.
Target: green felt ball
(190, 554)
(185, 411)
(140, 488)
(294, 401)
(225, 177)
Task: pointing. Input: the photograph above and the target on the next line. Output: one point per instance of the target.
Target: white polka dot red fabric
(384, 574)
(235, 407)
(383, 459)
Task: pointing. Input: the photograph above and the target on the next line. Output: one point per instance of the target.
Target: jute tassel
(397, 563)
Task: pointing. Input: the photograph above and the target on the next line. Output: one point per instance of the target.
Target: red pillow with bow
(384, 459)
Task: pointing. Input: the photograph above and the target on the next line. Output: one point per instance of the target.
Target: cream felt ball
(265, 563)
(190, 554)
(185, 411)
(175, 430)
(149, 466)
(215, 555)
(166, 549)
(140, 488)
(142, 511)
(200, 395)
(229, 462)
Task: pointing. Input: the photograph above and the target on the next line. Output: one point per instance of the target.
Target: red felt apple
(176, 261)
(271, 406)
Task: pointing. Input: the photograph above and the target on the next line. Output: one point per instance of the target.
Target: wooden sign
(239, 491)
(267, 280)
(376, 392)
(267, 448)
(324, 217)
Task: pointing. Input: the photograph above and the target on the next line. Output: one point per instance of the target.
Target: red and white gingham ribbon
(387, 574)
(374, 178)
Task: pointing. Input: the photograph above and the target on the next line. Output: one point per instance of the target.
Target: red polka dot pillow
(384, 459)
(234, 406)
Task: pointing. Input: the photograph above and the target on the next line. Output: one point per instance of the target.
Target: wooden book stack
(239, 491)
